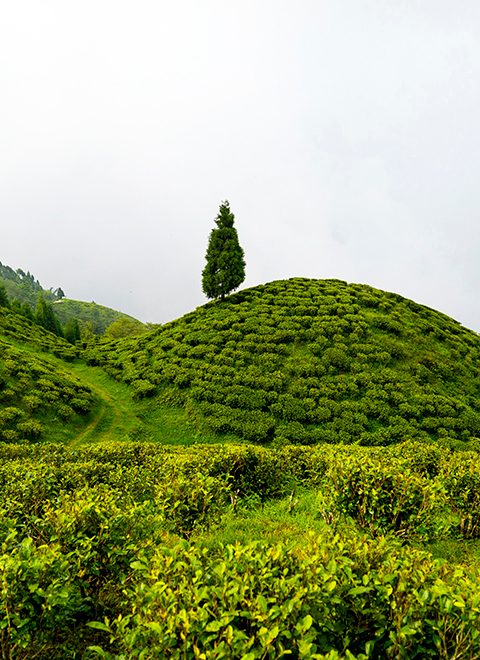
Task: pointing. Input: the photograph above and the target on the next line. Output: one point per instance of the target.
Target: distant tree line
(42, 315)
(73, 329)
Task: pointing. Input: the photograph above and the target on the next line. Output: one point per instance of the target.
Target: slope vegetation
(39, 396)
(136, 550)
(24, 288)
(308, 361)
(99, 316)
(48, 394)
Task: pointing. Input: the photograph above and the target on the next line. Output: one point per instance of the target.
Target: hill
(308, 361)
(23, 287)
(97, 316)
(121, 549)
(39, 396)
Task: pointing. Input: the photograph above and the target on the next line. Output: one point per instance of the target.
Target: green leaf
(98, 625)
(97, 649)
(305, 624)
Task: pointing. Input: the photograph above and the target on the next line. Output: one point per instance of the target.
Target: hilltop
(308, 361)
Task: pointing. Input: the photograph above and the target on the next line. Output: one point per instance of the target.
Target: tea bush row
(33, 393)
(285, 348)
(19, 329)
(348, 596)
(92, 534)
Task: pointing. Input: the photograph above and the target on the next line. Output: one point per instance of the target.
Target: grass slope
(309, 361)
(99, 316)
(25, 288)
(40, 397)
(48, 394)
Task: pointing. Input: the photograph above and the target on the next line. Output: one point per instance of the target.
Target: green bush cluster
(308, 361)
(17, 328)
(382, 496)
(349, 596)
(105, 546)
(33, 395)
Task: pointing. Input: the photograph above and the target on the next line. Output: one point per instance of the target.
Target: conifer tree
(72, 330)
(225, 267)
(45, 316)
(4, 302)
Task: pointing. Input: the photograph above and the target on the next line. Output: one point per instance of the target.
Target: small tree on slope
(225, 267)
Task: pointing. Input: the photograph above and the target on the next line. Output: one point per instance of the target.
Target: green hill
(232, 550)
(308, 361)
(16, 329)
(40, 398)
(22, 286)
(97, 316)
(48, 394)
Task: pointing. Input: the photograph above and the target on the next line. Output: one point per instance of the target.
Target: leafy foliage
(308, 361)
(22, 286)
(225, 267)
(109, 547)
(34, 396)
(45, 316)
(18, 329)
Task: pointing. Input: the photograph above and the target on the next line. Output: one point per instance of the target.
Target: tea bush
(402, 371)
(383, 497)
(36, 393)
(93, 535)
(351, 596)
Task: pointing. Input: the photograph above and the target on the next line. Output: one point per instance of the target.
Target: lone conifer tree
(225, 267)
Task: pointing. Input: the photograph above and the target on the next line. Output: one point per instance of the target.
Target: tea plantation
(38, 399)
(312, 489)
(308, 361)
(142, 551)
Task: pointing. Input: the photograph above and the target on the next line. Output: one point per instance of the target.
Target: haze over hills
(23, 287)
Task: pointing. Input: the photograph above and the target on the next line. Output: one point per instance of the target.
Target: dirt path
(115, 416)
(106, 406)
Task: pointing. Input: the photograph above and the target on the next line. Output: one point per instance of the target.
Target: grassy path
(115, 416)
(118, 415)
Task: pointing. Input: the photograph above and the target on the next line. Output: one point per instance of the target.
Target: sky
(344, 133)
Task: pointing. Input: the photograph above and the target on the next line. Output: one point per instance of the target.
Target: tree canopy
(225, 267)
(45, 316)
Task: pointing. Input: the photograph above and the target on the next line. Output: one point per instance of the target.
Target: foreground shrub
(352, 596)
(187, 503)
(38, 599)
(461, 476)
(382, 496)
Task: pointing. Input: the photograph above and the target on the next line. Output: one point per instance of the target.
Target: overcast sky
(344, 133)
